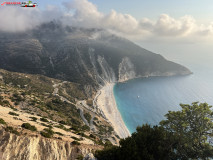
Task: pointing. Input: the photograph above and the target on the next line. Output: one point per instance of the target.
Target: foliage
(193, 128)
(2, 121)
(47, 132)
(147, 143)
(12, 130)
(34, 119)
(75, 138)
(13, 114)
(88, 117)
(185, 134)
(75, 143)
(29, 126)
(59, 133)
(80, 157)
(44, 120)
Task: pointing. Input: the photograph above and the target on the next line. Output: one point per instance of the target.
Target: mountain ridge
(90, 57)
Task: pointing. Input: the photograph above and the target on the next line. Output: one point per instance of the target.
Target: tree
(193, 128)
(147, 143)
(184, 135)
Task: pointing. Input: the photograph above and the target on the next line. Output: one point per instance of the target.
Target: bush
(75, 138)
(12, 130)
(85, 128)
(88, 117)
(47, 133)
(63, 122)
(80, 157)
(75, 143)
(44, 120)
(2, 121)
(29, 127)
(13, 114)
(34, 119)
(59, 133)
(92, 136)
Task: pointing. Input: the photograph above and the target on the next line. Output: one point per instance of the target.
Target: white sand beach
(106, 102)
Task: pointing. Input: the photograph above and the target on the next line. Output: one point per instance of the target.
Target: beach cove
(107, 104)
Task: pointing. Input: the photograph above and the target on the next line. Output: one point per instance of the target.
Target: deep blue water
(147, 100)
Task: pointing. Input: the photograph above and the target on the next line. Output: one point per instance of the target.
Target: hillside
(56, 109)
(90, 57)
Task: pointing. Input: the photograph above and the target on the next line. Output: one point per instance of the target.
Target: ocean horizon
(147, 100)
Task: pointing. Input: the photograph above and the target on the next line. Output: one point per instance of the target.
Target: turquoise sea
(147, 100)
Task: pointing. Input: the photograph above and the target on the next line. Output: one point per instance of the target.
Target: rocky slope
(90, 57)
(24, 147)
(58, 116)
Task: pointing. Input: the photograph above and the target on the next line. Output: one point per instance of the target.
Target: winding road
(78, 106)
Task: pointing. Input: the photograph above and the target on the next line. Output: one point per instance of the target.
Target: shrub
(80, 157)
(85, 128)
(62, 122)
(34, 119)
(47, 133)
(59, 133)
(92, 136)
(44, 120)
(75, 143)
(88, 117)
(75, 138)
(13, 114)
(12, 130)
(2, 121)
(29, 127)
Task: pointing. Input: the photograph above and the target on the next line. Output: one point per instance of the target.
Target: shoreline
(106, 102)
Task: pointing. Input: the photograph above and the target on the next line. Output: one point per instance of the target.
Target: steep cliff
(13, 147)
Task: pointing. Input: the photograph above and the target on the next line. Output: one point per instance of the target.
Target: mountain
(49, 78)
(90, 57)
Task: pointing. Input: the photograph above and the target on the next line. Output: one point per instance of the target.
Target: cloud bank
(82, 13)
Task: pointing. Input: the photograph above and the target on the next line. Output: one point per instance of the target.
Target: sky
(176, 29)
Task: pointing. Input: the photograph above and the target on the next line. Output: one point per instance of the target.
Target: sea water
(147, 100)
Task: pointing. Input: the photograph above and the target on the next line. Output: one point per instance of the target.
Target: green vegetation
(34, 119)
(16, 98)
(59, 133)
(88, 117)
(75, 138)
(183, 135)
(13, 114)
(29, 127)
(47, 133)
(44, 120)
(35, 93)
(12, 130)
(2, 121)
(192, 126)
(75, 143)
(80, 157)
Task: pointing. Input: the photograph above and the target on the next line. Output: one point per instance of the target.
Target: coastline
(107, 104)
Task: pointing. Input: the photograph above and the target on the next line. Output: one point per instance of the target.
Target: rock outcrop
(24, 147)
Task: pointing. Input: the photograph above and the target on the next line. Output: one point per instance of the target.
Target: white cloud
(15, 19)
(83, 13)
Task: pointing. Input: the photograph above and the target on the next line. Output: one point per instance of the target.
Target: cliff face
(126, 70)
(76, 55)
(13, 147)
